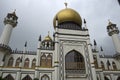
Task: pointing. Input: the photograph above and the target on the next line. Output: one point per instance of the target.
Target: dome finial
(109, 22)
(48, 33)
(66, 4)
(14, 11)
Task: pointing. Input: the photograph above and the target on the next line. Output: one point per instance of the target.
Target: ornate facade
(68, 55)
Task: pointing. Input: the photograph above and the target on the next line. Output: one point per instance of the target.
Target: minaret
(10, 22)
(113, 31)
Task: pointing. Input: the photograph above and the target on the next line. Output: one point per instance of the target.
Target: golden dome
(67, 15)
(48, 38)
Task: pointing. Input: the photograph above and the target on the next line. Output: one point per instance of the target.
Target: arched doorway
(106, 78)
(9, 77)
(27, 78)
(74, 62)
(45, 77)
(118, 78)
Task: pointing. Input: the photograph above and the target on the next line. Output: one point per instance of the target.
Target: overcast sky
(36, 17)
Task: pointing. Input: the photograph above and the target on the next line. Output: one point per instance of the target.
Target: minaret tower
(10, 22)
(113, 31)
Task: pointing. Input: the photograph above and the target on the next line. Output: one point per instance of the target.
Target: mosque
(67, 55)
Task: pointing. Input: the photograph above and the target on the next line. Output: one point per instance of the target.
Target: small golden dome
(67, 14)
(48, 38)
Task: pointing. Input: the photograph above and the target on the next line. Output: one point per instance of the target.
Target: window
(27, 78)
(43, 61)
(33, 63)
(108, 64)
(102, 65)
(17, 62)
(10, 62)
(9, 77)
(45, 77)
(26, 63)
(49, 61)
(114, 66)
(74, 61)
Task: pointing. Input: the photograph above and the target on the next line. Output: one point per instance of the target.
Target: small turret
(11, 19)
(85, 24)
(112, 29)
(101, 50)
(47, 43)
(95, 46)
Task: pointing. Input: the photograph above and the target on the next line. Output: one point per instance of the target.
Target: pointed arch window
(108, 64)
(74, 61)
(26, 63)
(45, 77)
(118, 78)
(114, 66)
(43, 60)
(33, 63)
(17, 62)
(9, 77)
(27, 78)
(49, 61)
(102, 65)
(106, 78)
(10, 62)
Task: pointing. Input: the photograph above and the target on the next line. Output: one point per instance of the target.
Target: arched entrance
(27, 78)
(74, 62)
(106, 78)
(45, 77)
(118, 78)
(9, 77)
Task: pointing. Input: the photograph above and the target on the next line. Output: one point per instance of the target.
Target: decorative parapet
(117, 56)
(5, 48)
(46, 48)
(107, 56)
(22, 52)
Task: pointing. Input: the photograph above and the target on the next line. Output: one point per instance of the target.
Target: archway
(106, 78)
(45, 77)
(27, 78)
(74, 62)
(118, 78)
(9, 77)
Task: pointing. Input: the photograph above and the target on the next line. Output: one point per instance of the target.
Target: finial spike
(40, 38)
(84, 21)
(48, 33)
(66, 4)
(25, 44)
(95, 42)
(101, 48)
(14, 11)
(109, 22)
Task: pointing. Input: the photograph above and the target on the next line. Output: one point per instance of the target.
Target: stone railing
(22, 52)
(5, 47)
